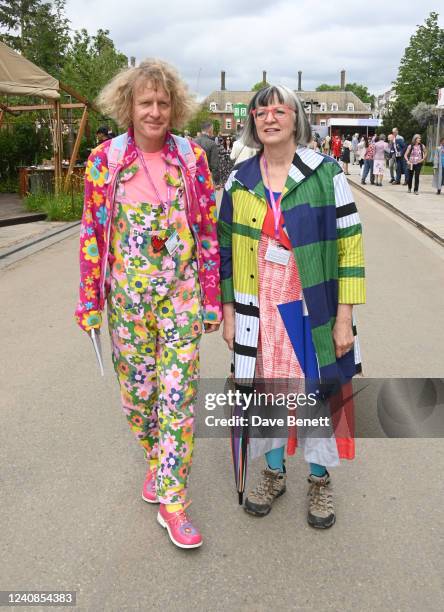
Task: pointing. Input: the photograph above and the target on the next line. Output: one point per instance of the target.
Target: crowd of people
(374, 154)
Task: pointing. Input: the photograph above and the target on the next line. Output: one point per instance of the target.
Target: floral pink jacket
(100, 186)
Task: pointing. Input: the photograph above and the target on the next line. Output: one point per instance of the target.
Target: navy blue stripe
(226, 263)
(308, 225)
(226, 208)
(322, 301)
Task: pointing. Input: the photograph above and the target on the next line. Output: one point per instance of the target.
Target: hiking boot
(321, 513)
(272, 485)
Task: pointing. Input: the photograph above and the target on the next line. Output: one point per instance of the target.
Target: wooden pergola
(19, 76)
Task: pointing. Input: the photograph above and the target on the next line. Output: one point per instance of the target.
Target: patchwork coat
(325, 232)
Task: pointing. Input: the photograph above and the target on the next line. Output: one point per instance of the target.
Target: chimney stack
(264, 77)
(133, 61)
(342, 80)
(222, 80)
(300, 80)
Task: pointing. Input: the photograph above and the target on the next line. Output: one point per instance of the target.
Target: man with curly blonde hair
(149, 248)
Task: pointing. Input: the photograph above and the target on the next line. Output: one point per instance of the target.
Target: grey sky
(244, 37)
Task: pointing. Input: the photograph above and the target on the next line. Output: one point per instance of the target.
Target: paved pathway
(426, 210)
(71, 516)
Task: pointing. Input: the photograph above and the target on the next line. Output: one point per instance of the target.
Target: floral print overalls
(155, 323)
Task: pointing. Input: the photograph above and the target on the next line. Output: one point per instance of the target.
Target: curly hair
(117, 97)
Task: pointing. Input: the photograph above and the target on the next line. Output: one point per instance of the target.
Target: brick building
(320, 106)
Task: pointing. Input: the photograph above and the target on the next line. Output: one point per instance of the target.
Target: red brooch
(158, 243)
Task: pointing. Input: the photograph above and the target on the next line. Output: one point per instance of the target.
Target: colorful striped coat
(324, 229)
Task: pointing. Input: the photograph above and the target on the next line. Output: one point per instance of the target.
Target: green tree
(359, 90)
(260, 85)
(91, 62)
(216, 126)
(49, 37)
(421, 72)
(16, 17)
(327, 87)
(203, 115)
(399, 115)
(39, 30)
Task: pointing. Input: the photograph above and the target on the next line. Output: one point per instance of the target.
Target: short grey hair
(283, 95)
(415, 136)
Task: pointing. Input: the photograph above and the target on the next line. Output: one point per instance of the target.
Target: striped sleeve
(224, 232)
(351, 269)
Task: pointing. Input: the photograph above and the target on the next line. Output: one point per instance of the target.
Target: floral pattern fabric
(100, 189)
(155, 323)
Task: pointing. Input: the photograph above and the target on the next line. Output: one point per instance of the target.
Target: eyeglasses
(279, 111)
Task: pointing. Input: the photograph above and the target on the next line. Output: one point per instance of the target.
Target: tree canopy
(360, 90)
(260, 85)
(420, 74)
(421, 71)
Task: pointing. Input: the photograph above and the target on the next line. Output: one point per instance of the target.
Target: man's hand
(211, 327)
(229, 325)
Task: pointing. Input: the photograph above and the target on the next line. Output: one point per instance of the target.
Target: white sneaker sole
(163, 524)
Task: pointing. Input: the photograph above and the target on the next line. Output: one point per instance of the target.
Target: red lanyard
(275, 205)
(164, 205)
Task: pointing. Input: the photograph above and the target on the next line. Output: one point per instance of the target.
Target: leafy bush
(61, 207)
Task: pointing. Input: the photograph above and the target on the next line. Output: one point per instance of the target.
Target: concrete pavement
(425, 210)
(71, 516)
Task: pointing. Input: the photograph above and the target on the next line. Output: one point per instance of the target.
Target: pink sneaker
(179, 527)
(149, 487)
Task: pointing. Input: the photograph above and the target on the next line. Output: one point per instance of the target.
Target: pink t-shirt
(136, 187)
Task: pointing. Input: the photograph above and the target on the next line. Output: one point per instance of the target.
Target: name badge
(172, 244)
(277, 254)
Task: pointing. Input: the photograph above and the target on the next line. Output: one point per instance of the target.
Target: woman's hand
(211, 327)
(229, 326)
(343, 330)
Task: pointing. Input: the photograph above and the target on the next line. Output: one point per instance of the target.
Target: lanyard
(275, 205)
(150, 180)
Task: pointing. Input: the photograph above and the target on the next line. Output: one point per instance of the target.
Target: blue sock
(317, 470)
(275, 458)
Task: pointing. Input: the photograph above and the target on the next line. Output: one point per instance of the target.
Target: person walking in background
(240, 152)
(336, 147)
(206, 141)
(415, 156)
(368, 160)
(225, 163)
(381, 147)
(391, 158)
(102, 134)
(355, 142)
(398, 145)
(326, 145)
(345, 156)
(362, 147)
(148, 247)
(438, 167)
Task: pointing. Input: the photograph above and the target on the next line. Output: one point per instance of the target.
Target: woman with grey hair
(291, 270)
